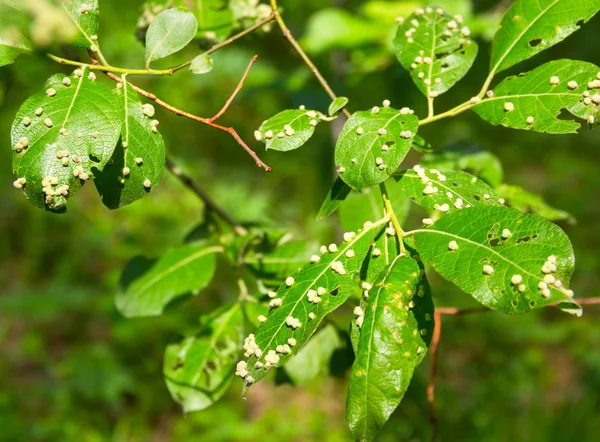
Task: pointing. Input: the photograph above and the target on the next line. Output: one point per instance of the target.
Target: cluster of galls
(288, 131)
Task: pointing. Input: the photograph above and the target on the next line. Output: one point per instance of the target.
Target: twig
(455, 311)
(289, 37)
(208, 201)
(434, 350)
(236, 91)
(207, 121)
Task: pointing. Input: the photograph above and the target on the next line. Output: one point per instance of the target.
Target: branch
(289, 37)
(208, 201)
(236, 91)
(434, 349)
(455, 311)
(207, 121)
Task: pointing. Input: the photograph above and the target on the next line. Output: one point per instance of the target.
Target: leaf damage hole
(580, 22)
(535, 42)
(526, 238)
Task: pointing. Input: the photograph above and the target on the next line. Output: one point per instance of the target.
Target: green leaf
(436, 49)
(372, 145)
(288, 130)
(394, 337)
(180, 271)
(12, 39)
(199, 369)
(75, 132)
(529, 27)
(314, 358)
(169, 32)
(468, 158)
(360, 207)
(296, 317)
(337, 105)
(215, 19)
(533, 101)
(338, 193)
(525, 201)
(202, 64)
(445, 192)
(278, 262)
(501, 257)
(138, 161)
(84, 14)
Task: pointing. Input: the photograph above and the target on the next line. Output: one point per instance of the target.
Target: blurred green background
(73, 369)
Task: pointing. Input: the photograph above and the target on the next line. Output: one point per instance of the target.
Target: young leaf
(169, 32)
(468, 158)
(84, 14)
(334, 199)
(315, 357)
(138, 161)
(202, 64)
(199, 369)
(534, 100)
(12, 41)
(436, 49)
(529, 27)
(337, 105)
(303, 301)
(215, 19)
(360, 207)
(60, 135)
(525, 201)
(180, 271)
(445, 192)
(508, 261)
(288, 130)
(372, 145)
(394, 337)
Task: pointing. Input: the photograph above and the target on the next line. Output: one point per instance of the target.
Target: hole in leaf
(211, 366)
(526, 238)
(535, 42)
(445, 65)
(532, 303)
(514, 302)
(477, 197)
(177, 365)
(495, 242)
(580, 22)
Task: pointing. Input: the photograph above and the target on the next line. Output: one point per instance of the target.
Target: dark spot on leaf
(514, 302)
(495, 242)
(445, 65)
(535, 42)
(94, 158)
(526, 238)
(177, 365)
(532, 303)
(477, 197)
(503, 291)
(210, 365)
(580, 22)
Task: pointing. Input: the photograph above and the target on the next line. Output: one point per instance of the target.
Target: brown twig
(289, 37)
(235, 92)
(207, 121)
(208, 201)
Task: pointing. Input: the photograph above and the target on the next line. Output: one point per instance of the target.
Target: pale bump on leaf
(359, 207)
(12, 39)
(336, 195)
(138, 158)
(199, 369)
(178, 272)
(529, 202)
(468, 158)
(369, 138)
(495, 244)
(84, 14)
(314, 358)
(394, 338)
(294, 297)
(169, 32)
(529, 27)
(445, 191)
(437, 53)
(202, 64)
(289, 129)
(70, 132)
(538, 102)
(337, 105)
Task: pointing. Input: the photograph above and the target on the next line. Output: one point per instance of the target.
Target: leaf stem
(390, 212)
(451, 113)
(210, 204)
(107, 68)
(290, 38)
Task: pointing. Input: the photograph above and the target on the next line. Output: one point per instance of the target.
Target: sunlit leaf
(215, 18)
(84, 14)
(199, 369)
(534, 100)
(176, 273)
(304, 300)
(397, 323)
(202, 64)
(436, 49)
(288, 130)
(525, 201)
(169, 32)
(372, 145)
(338, 193)
(508, 261)
(138, 161)
(337, 105)
(60, 136)
(12, 39)
(529, 27)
